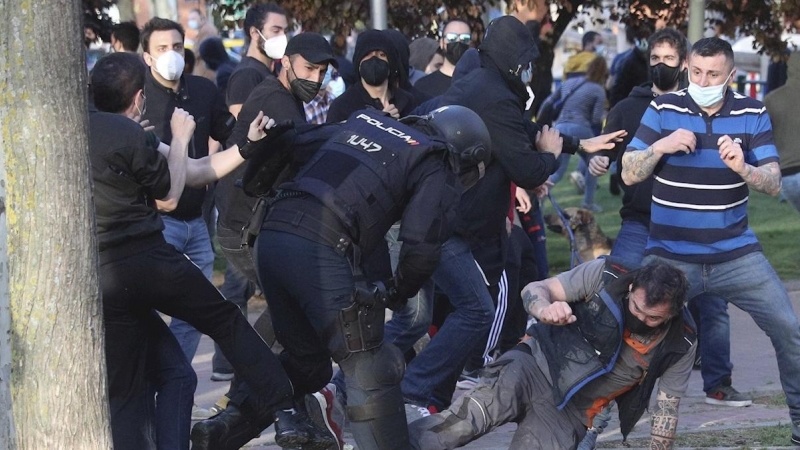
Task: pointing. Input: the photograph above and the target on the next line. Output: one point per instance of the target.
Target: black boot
(228, 430)
(297, 430)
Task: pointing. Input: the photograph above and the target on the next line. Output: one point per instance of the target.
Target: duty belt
(305, 216)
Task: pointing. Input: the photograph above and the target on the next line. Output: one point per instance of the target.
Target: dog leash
(574, 257)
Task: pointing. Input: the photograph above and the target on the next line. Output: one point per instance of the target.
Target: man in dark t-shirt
(456, 39)
(265, 26)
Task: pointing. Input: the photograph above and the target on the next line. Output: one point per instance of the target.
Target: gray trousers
(512, 389)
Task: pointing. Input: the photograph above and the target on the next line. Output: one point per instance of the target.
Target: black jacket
(200, 98)
(627, 115)
(356, 98)
(276, 102)
(128, 174)
(501, 103)
(633, 71)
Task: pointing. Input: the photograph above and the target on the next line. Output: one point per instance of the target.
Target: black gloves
(379, 294)
(250, 148)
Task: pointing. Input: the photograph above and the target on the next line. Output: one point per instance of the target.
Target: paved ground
(755, 371)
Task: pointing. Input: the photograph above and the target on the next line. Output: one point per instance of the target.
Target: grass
(776, 224)
(740, 438)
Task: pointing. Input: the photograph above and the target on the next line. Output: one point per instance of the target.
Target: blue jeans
(791, 189)
(709, 310)
(171, 376)
(190, 238)
(460, 279)
(750, 283)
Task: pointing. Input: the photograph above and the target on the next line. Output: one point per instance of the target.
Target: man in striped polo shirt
(707, 146)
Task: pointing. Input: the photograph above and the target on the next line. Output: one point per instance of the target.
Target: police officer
(328, 224)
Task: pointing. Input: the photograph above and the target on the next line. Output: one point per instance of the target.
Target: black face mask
(305, 90)
(664, 77)
(636, 326)
(374, 71)
(454, 51)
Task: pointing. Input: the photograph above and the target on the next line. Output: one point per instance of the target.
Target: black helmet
(468, 141)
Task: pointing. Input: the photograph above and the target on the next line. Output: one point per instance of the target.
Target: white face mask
(275, 46)
(337, 87)
(709, 95)
(170, 65)
(193, 24)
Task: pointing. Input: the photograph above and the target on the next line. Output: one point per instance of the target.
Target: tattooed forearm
(766, 179)
(664, 422)
(535, 298)
(637, 166)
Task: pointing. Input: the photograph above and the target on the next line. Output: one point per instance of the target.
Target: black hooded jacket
(507, 47)
(627, 115)
(356, 98)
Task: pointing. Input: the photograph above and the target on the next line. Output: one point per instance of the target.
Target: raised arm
(637, 165)
(203, 171)
(182, 125)
(664, 422)
(765, 178)
(546, 300)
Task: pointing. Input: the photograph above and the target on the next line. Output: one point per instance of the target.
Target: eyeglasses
(461, 37)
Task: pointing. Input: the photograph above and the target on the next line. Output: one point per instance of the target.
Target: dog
(590, 241)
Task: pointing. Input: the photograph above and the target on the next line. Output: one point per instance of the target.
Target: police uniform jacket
(374, 172)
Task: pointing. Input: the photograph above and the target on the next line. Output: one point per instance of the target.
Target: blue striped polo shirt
(699, 206)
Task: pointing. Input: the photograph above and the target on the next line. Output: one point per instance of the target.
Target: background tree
(58, 379)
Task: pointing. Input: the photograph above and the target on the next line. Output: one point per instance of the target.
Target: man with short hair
(167, 87)
(592, 45)
(622, 328)
(140, 272)
(706, 147)
(125, 37)
(456, 39)
(265, 37)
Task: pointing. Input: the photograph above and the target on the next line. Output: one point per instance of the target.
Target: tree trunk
(58, 378)
(6, 420)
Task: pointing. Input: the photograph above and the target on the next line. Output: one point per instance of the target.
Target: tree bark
(58, 378)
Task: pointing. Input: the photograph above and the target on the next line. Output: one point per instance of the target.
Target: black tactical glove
(250, 148)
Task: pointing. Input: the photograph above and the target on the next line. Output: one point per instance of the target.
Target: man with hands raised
(706, 147)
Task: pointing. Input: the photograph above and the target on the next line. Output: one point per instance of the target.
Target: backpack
(552, 106)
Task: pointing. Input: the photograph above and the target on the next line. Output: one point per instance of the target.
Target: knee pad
(373, 382)
(375, 369)
(375, 401)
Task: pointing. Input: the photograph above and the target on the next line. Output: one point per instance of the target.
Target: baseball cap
(313, 47)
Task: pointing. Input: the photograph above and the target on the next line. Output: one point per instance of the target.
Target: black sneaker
(727, 396)
(228, 430)
(297, 430)
(795, 439)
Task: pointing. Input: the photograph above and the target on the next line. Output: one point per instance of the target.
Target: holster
(253, 225)
(363, 321)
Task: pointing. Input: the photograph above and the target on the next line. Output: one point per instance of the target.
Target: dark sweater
(627, 115)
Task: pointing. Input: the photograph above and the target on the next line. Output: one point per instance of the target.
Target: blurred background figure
(218, 65)
(425, 57)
